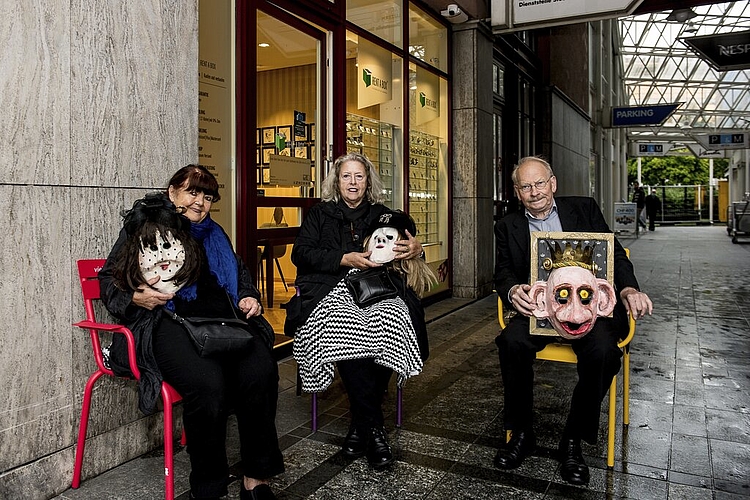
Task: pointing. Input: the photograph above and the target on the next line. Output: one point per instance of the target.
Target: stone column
(473, 237)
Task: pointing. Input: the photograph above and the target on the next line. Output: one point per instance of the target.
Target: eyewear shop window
(411, 158)
(415, 160)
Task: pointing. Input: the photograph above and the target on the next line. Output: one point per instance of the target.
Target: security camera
(454, 14)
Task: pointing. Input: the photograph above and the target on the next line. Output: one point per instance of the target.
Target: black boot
(511, 455)
(355, 443)
(379, 454)
(573, 469)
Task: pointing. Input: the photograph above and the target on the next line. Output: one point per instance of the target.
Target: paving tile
(689, 433)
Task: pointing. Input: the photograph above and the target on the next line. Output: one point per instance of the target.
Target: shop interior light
(263, 44)
(681, 15)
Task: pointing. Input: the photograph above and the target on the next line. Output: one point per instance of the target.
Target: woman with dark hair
(176, 259)
(330, 245)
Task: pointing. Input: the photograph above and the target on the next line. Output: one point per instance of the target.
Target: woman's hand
(358, 260)
(408, 248)
(250, 306)
(149, 298)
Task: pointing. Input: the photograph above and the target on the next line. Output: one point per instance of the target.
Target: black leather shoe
(260, 492)
(355, 444)
(512, 454)
(379, 454)
(573, 469)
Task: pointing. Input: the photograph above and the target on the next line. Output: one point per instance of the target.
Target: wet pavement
(689, 433)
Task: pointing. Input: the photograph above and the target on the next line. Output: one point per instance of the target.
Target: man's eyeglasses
(539, 185)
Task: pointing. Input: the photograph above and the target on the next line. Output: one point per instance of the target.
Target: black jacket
(513, 259)
(323, 239)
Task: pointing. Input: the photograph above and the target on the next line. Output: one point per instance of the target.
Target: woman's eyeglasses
(539, 185)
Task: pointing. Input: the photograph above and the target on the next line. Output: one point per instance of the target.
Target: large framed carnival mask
(572, 278)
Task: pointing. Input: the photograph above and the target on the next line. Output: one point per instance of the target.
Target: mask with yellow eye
(571, 299)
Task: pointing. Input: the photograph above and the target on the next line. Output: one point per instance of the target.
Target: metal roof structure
(660, 68)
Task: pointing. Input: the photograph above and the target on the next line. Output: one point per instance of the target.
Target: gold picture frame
(541, 242)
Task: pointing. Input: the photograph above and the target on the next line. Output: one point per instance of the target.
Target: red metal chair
(88, 271)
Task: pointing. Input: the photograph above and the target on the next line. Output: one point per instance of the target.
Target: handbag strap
(180, 319)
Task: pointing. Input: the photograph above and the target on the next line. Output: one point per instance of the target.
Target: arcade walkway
(689, 435)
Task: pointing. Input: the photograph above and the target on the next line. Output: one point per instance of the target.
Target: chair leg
(281, 273)
(399, 406)
(83, 427)
(611, 426)
(626, 388)
(315, 412)
(168, 446)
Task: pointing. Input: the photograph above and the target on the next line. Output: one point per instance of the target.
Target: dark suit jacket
(577, 213)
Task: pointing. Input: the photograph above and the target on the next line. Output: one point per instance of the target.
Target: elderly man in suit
(598, 355)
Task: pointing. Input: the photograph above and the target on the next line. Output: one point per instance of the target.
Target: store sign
(374, 85)
(215, 92)
(512, 15)
(625, 217)
(726, 140)
(289, 171)
(724, 52)
(632, 116)
(428, 92)
(651, 149)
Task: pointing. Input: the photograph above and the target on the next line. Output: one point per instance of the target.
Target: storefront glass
(428, 166)
(428, 39)
(374, 118)
(381, 18)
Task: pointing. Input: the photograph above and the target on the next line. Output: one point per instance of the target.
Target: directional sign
(646, 149)
(725, 140)
(702, 152)
(634, 116)
(512, 15)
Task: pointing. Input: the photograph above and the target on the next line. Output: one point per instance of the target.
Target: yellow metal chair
(563, 352)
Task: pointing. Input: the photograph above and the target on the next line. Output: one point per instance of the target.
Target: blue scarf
(221, 259)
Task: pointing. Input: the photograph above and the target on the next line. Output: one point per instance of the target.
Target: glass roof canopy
(659, 68)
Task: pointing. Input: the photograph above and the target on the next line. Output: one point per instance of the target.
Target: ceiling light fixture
(263, 44)
(681, 15)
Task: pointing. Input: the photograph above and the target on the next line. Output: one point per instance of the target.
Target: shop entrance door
(290, 137)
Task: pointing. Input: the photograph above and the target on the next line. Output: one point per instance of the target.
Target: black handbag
(212, 336)
(370, 286)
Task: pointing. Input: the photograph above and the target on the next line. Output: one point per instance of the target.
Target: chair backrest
(88, 274)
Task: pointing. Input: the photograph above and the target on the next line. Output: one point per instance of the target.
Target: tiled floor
(689, 433)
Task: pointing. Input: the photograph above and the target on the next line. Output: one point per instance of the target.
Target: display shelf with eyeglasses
(373, 139)
(278, 140)
(423, 184)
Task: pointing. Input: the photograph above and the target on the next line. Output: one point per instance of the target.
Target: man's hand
(149, 298)
(358, 260)
(637, 303)
(522, 302)
(408, 248)
(250, 306)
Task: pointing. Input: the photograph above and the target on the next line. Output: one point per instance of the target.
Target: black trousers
(365, 382)
(245, 383)
(598, 362)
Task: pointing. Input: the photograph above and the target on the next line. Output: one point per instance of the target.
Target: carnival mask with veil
(159, 245)
(382, 236)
